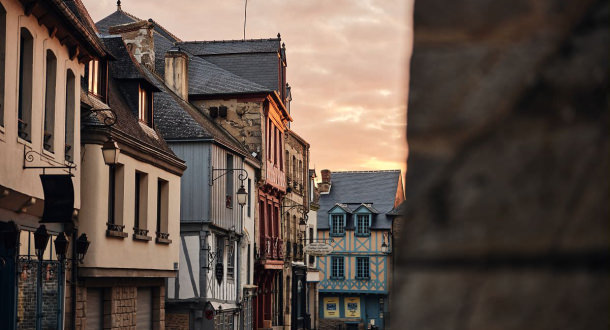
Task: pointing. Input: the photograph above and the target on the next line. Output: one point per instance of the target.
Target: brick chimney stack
(176, 72)
(139, 39)
(326, 184)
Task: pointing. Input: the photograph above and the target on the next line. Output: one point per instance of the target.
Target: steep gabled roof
(206, 78)
(376, 189)
(124, 66)
(122, 17)
(343, 207)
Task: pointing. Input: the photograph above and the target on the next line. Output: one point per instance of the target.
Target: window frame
(366, 227)
(145, 106)
(362, 264)
(333, 232)
(337, 272)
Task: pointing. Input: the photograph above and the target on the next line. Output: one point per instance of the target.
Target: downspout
(73, 280)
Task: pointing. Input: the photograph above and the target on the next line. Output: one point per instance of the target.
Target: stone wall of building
(337, 324)
(507, 189)
(243, 121)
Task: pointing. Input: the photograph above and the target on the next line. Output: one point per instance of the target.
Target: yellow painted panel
(352, 307)
(331, 307)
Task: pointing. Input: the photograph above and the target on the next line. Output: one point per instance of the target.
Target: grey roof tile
(353, 188)
(216, 47)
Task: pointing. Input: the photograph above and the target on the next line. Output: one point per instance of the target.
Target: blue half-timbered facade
(356, 215)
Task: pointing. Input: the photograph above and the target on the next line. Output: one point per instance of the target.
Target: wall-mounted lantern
(82, 245)
(61, 246)
(242, 195)
(111, 152)
(302, 225)
(41, 239)
(11, 236)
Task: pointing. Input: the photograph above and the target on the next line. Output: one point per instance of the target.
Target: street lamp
(61, 246)
(242, 196)
(82, 245)
(302, 225)
(384, 247)
(111, 151)
(41, 239)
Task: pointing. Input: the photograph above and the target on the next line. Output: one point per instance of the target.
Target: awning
(218, 306)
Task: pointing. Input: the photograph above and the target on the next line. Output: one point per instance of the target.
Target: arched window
(2, 60)
(70, 112)
(26, 62)
(49, 101)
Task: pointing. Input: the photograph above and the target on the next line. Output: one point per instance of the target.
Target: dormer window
(96, 83)
(363, 225)
(145, 106)
(337, 225)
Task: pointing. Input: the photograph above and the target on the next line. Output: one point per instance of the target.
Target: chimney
(176, 72)
(325, 185)
(139, 39)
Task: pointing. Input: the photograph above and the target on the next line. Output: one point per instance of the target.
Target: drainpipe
(73, 281)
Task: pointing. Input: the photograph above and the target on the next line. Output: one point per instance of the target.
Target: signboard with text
(317, 249)
(331, 307)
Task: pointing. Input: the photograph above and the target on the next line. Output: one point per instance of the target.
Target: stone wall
(507, 189)
(243, 121)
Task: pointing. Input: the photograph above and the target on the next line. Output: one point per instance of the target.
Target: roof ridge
(366, 171)
(226, 40)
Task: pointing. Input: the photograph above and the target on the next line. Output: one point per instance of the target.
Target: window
(70, 112)
(162, 206)
(363, 225)
(362, 268)
(49, 101)
(229, 181)
(337, 225)
(96, 73)
(2, 61)
(145, 111)
(231, 261)
(26, 62)
(140, 203)
(337, 268)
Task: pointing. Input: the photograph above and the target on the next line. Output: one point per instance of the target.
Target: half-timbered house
(357, 210)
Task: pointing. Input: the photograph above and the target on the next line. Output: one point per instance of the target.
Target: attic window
(96, 74)
(337, 225)
(145, 106)
(363, 225)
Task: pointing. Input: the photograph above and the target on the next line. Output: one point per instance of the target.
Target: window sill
(22, 141)
(337, 235)
(337, 277)
(143, 238)
(116, 234)
(362, 234)
(363, 278)
(166, 241)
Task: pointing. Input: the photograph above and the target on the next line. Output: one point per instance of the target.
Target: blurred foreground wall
(508, 171)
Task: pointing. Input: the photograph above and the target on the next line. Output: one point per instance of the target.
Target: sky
(347, 66)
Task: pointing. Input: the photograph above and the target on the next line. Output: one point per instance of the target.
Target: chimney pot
(326, 176)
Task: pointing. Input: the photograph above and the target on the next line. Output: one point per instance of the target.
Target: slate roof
(354, 188)
(255, 59)
(218, 47)
(205, 78)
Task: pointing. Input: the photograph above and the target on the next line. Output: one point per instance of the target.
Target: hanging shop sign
(352, 307)
(318, 249)
(331, 307)
(219, 272)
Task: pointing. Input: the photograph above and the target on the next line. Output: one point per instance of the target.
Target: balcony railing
(273, 248)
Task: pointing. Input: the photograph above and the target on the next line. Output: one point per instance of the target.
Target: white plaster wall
(112, 252)
(12, 174)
